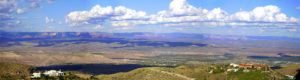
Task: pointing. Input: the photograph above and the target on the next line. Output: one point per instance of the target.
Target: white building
(36, 75)
(234, 65)
(289, 76)
(53, 73)
(232, 70)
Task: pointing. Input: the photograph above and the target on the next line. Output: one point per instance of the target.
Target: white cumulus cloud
(99, 14)
(269, 13)
(10, 9)
(182, 13)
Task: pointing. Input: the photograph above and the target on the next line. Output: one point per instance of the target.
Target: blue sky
(228, 17)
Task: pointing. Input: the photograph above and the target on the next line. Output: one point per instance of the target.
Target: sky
(226, 17)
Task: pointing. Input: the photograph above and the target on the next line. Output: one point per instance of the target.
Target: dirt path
(174, 74)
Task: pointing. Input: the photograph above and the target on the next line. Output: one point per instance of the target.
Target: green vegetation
(281, 58)
(195, 71)
(189, 71)
(13, 71)
(180, 59)
(80, 75)
(290, 69)
(252, 75)
(139, 74)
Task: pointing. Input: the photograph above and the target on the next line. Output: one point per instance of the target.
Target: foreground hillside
(198, 72)
(142, 74)
(203, 71)
(13, 71)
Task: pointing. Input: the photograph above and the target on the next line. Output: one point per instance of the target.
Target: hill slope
(12, 71)
(144, 74)
(194, 72)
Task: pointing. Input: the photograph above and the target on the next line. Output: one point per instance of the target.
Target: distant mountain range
(136, 35)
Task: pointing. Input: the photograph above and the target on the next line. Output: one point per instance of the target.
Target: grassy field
(289, 69)
(193, 72)
(15, 71)
(139, 74)
(179, 59)
(12, 71)
(252, 75)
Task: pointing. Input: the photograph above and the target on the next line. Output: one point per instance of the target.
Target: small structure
(36, 75)
(289, 76)
(53, 73)
(261, 67)
(232, 70)
(211, 71)
(233, 65)
(246, 66)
